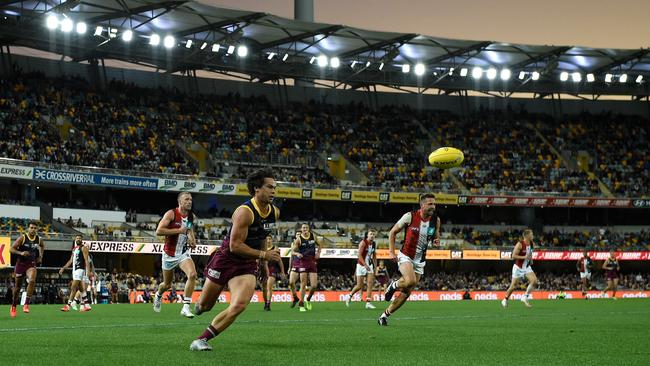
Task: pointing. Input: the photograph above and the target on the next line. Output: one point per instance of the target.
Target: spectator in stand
(67, 121)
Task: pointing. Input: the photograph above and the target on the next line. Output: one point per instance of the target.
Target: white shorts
(586, 275)
(418, 267)
(518, 272)
(78, 274)
(169, 262)
(362, 271)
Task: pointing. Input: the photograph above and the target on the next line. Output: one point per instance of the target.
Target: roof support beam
(617, 62)
(541, 57)
(136, 11)
(226, 22)
(300, 36)
(375, 46)
(459, 52)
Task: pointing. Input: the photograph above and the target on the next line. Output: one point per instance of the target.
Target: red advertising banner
(597, 256)
(333, 296)
(548, 201)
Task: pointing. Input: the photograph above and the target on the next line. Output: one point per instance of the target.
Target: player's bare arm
(41, 251)
(516, 250)
(295, 245)
(84, 251)
(436, 240)
(318, 247)
(362, 261)
(162, 229)
(14, 247)
(191, 236)
(65, 266)
(391, 240)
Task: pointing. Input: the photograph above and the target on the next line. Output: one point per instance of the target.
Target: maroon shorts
(295, 264)
(222, 267)
(306, 265)
(274, 271)
(22, 267)
(611, 275)
(382, 280)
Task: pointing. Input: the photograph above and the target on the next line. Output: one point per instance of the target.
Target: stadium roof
(209, 38)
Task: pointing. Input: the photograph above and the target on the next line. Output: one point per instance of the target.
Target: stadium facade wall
(334, 296)
(23, 212)
(88, 216)
(276, 95)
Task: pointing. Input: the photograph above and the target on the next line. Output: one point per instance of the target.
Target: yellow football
(446, 157)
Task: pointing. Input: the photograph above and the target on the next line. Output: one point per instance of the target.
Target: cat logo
(346, 195)
(306, 193)
(384, 197)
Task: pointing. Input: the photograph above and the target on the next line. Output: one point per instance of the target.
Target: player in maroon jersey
(365, 269)
(274, 271)
(584, 268)
(306, 247)
(177, 226)
(611, 268)
(382, 276)
(29, 248)
(523, 257)
(234, 263)
(421, 230)
(294, 276)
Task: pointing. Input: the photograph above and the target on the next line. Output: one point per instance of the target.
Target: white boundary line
(289, 321)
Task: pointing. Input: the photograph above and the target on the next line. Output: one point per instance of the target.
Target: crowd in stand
(388, 145)
(617, 148)
(14, 224)
(53, 291)
(504, 154)
(334, 280)
(597, 239)
(68, 121)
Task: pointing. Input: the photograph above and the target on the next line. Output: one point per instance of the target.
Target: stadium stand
(65, 121)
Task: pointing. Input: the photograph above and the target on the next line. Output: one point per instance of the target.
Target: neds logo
(449, 297)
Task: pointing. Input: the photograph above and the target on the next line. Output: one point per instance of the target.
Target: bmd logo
(169, 183)
(207, 187)
(188, 186)
(226, 188)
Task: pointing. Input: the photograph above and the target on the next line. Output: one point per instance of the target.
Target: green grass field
(423, 333)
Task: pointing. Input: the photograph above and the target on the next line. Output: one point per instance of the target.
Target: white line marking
(297, 321)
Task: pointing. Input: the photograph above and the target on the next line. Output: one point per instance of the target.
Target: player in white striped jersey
(365, 269)
(80, 269)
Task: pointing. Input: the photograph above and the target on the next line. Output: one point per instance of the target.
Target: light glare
(169, 41)
(52, 21)
(81, 28)
(477, 73)
(154, 40)
(127, 36)
(66, 25)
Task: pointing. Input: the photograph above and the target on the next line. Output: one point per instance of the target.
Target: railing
(329, 244)
(138, 173)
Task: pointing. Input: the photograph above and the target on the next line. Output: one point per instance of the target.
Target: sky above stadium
(592, 23)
